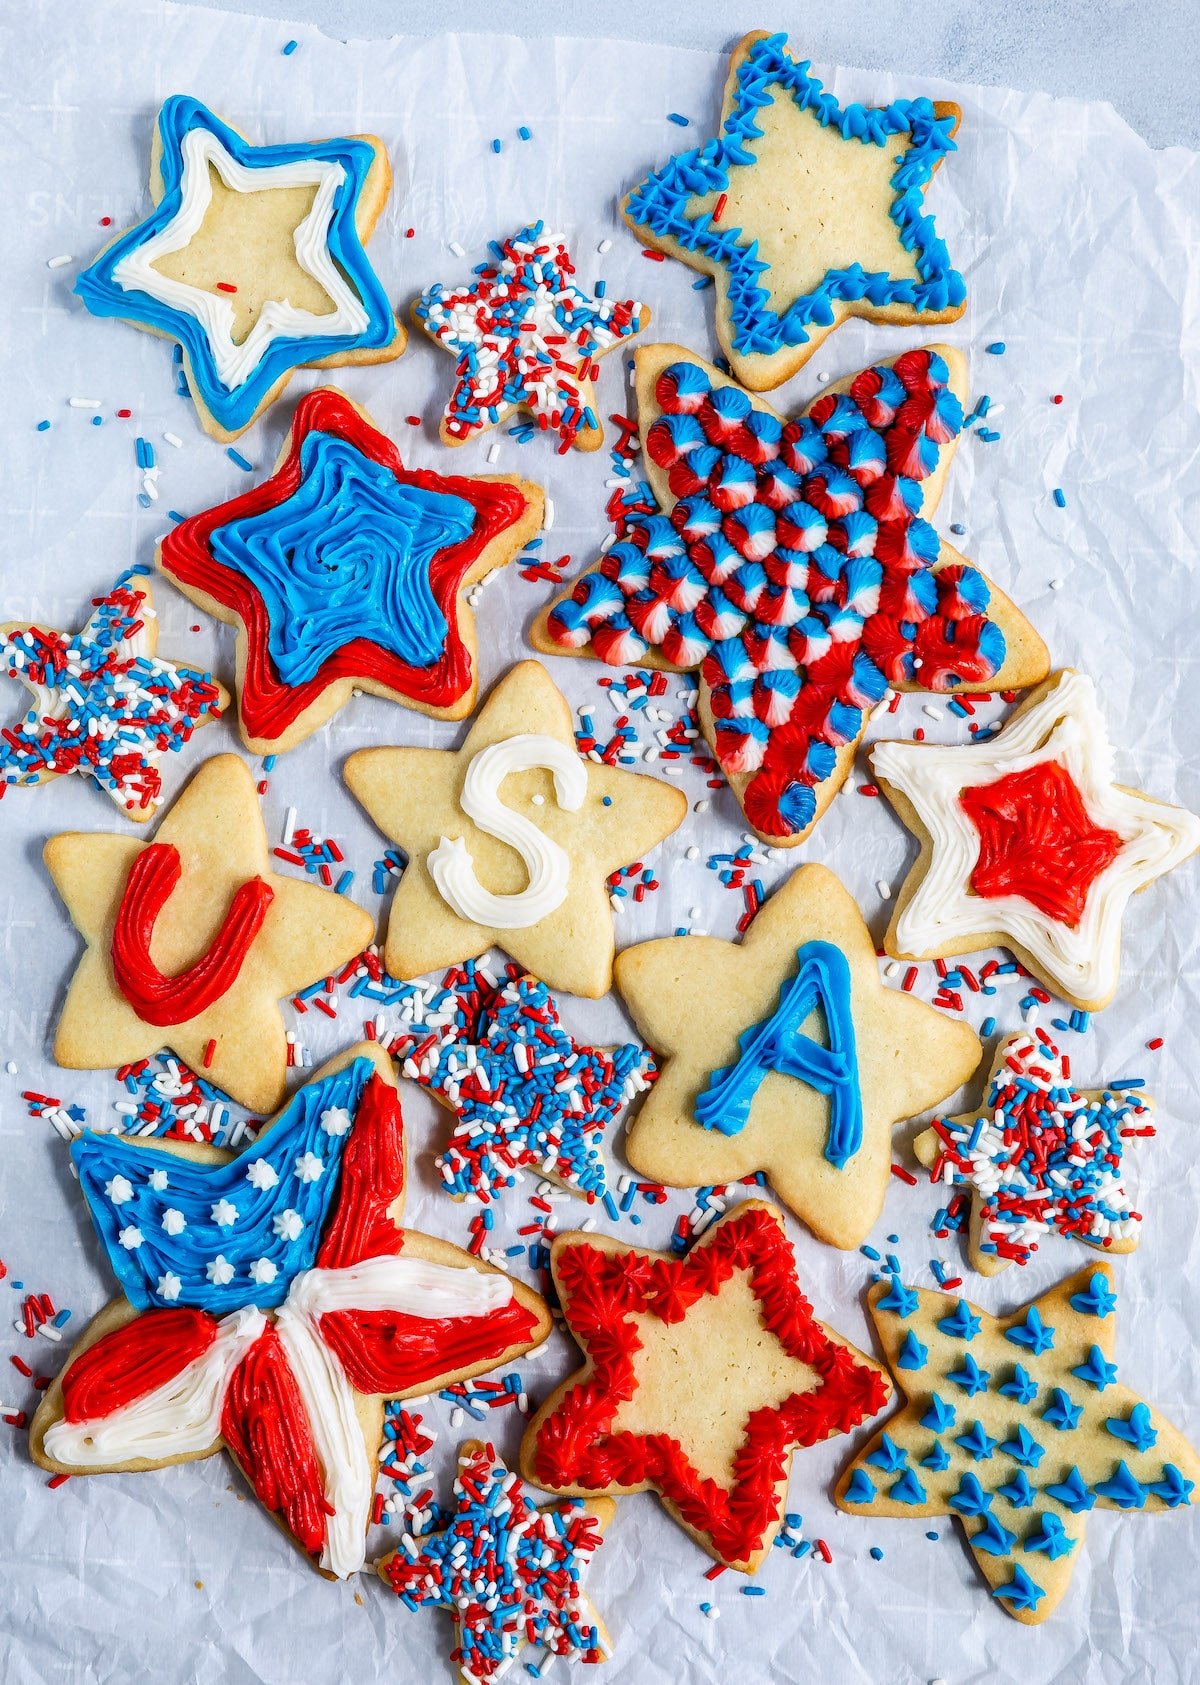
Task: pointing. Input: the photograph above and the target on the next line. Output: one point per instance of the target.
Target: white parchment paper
(1081, 249)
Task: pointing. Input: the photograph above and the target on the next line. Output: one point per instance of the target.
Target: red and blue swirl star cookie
(793, 564)
(271, 1301)
(347, 571)
(252, 261)
(1018, 1427)
(804, 211)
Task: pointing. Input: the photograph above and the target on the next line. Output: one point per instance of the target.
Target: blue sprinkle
(344, 882)
(957, 529)
(289, 47)
(607, 800)
(704, 281)
(988, 1027)
(754, 1591)
(174, 515)
(42, 426)
(996, 349)
(524, 133)
(869, 1252)
(1060, 497)
(876, 1554)
(239, 459)
(988, 435)
(675, 117)
(496, 146)
(143, 500)
(97, 421)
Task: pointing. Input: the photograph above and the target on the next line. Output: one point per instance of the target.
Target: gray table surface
(1143, 55)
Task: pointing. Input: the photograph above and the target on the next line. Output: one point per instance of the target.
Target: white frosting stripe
(410, 1286)
(180, 1418)
(547, 863)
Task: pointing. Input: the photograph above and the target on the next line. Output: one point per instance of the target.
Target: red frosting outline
(1038, 840)
(360, 1225)
(269, 707)
(265, 1425)
(600, 1291)
(131, 1361)
(155, 997)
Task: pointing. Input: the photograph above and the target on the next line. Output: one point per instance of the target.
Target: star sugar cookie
(510, 839)
(703, 1375)
(105, 705)
(346, 571)
(793, 564)
(272, 1301)
(508, 1572)
(1017, 1426)
(525, 336)
(1040, 1156)
(804, 212)
(252, 261)
(192, 940)
(785, 1053)
(1028, 843)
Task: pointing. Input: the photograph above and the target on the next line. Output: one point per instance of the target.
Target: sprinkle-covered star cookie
(1018, 1426)
(525, 1094)
(510, 839)
(785, 1053)
(804, 211)
(1028, 843)
(525, 336)
(192, 940)
(271, 1302)
(793, 564)
(347, 571)
(703, 1376)
(105, 706)
(510, 1573)
(1041, 1156)
(252, 260)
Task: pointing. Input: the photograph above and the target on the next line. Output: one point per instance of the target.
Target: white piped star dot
(219, 1271)
(174, 1222)
(308, 1167)
(224, 1214)
(131, 1238)
(157, 1180)
(169, 1286)
(263, 1272)
(119, 1190)
(336, 1121)
(288, 1225)
(261, 1175)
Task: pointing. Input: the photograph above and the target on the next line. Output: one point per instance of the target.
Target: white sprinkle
(11, 1067)
(604, 246)
(548, 522)
(538, 801)
(695, 913)
(84, 403)
(822, 380)
(457, 249)
(174, 439)
(289, 826)
(892, 969)
(456, 1417)
(59, 262)
(50, 1331)
(885, 890)
(713, 1613)
(933, 713)
(493, 454)
(1057, 584)
(693, 853)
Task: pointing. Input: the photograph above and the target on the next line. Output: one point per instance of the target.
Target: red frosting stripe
(133, 1360)
(372, 1179)
(264, 1424)
(390, 1352)
(155, 997)
(601, 1291)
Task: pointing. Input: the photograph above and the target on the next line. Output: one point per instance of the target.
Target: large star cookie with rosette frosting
(192, 940)
(271, 1302)
(511, 839)
(252, 261)
(804, 211)
(704, 1374)
(347, 571)
(1017, 1426)
(785, 1053)
(1028, 842)
(793, 564)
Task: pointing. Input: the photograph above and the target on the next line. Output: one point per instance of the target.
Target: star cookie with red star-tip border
(346, 571)
(272, 1301)
(1027, 842)
(703, 1376)
(1018, 1427)
(192, 940)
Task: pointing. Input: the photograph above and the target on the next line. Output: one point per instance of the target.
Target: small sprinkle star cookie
(346, 571)
(703, 1376)
(805, 212)
(105, 705)
(192, 940)
(1040, 1156)
(793, 563)
(511, 1574)
(1028, 843)
(1017, 1426)
(511, 839)
(252, 261)
(525, 336)
(271, 1302)
(785, 1053)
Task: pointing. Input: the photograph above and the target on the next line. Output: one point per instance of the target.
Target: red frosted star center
(1038, 841)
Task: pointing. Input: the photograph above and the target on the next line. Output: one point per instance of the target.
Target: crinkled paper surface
(1080, 247)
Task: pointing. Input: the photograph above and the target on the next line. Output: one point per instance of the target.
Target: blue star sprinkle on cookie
(1046, 1441)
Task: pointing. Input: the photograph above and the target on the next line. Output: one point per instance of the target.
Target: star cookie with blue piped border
(252, 261)
(785, 1053)
(1018, 1427)
(804, 211)
(347, 571)
(271, 1302)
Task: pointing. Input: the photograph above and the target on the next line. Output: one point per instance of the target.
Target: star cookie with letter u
(346, 571)
(785, 1053)
(192, 940)
(252, 261)
(272, 1301)
(804, 211)
(511, 839)
(704, 1374)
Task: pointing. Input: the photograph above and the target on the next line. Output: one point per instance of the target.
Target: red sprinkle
(1155, 1044)
(904, 1175)
(209, 1051)
(124, 415)
(655, 257)
(824, 1551)
(715, 1572)
(57, 1480)
(226, 287)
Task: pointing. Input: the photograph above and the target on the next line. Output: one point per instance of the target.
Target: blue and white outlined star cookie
(804, 211)
(252, 260)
